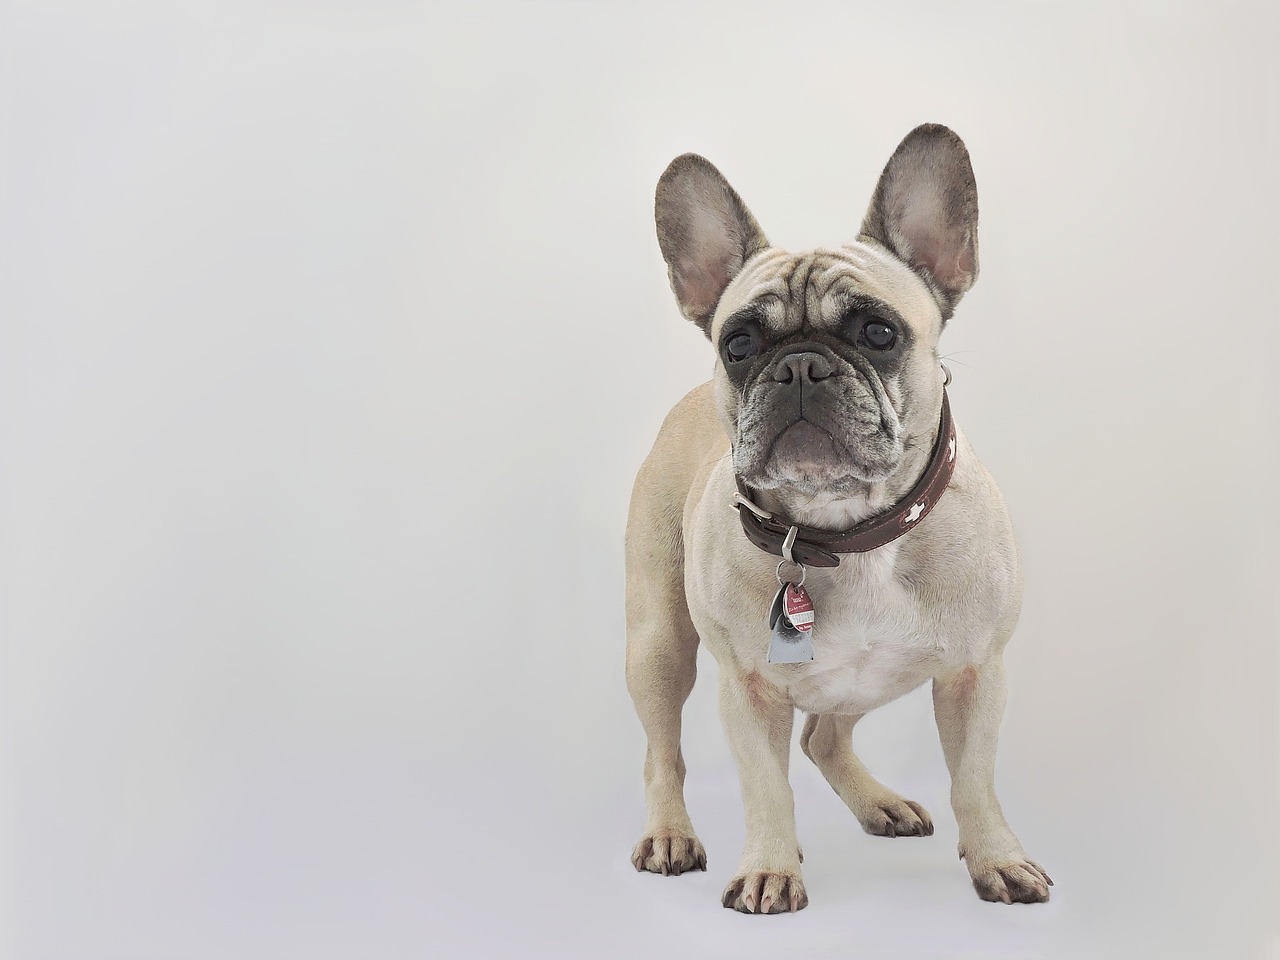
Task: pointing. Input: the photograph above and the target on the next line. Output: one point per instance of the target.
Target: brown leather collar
(819, 548)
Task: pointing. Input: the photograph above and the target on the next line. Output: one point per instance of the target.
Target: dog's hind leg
(662, 649)
(826, 741)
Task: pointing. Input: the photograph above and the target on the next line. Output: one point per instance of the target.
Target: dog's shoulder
(965, 556)
(690, 440)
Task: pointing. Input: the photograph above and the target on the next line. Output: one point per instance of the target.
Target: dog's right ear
(706, 234)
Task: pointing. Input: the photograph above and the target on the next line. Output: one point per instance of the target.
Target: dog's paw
(668, 852)
(1012, 880)
(895, 817)
(765, 893)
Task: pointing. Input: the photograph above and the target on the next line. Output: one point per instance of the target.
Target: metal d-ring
(778, 574)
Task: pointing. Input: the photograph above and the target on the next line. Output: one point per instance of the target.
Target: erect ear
(706, 234)
(925, 210)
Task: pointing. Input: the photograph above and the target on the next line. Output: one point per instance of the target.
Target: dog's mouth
(808, 456)
(806, 447)
(830, 433)
(821, 450)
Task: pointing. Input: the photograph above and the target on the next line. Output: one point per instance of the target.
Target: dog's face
(827, 367)
(824, 359)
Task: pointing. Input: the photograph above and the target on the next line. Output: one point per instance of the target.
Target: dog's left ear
(925, 210)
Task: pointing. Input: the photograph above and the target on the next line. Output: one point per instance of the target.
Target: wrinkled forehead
(788, 290)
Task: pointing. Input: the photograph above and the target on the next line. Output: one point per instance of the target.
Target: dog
(816, 518)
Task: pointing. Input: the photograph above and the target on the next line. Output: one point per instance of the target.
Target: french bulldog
(824, 419)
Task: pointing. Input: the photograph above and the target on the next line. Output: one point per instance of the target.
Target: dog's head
(827, 366)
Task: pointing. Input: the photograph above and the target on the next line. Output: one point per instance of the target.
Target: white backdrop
(332, 336)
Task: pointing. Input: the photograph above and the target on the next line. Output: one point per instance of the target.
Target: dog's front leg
(968, 706)
(757, 720)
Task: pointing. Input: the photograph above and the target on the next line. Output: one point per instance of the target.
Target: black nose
(802, 366)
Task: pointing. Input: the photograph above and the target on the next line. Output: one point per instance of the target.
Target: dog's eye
(739, 347)
(879, 335)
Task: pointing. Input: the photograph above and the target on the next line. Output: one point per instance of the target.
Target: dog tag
(790, 642)
(797, 606)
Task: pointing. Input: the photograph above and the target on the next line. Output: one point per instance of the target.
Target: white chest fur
(886, 621)
(873, 639)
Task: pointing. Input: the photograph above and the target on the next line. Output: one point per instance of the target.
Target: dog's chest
(873, 640)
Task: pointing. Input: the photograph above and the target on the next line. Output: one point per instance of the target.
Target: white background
(332, 336)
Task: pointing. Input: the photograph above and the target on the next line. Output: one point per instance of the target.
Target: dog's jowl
(823, 461)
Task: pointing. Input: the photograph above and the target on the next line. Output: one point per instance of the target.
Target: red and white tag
(798, 607)
(791, 625)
